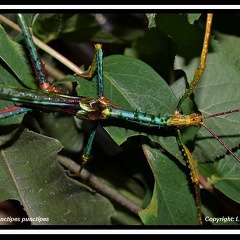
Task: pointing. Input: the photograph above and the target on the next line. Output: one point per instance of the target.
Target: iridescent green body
(111, 112)
(33, 97)
(91, 109)
(176, 120)
(47, 101)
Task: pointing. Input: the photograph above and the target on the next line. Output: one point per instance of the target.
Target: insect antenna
(215, 136)
(222, 113)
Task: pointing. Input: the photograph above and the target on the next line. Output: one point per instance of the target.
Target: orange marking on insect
(46, 87)
(106, 101)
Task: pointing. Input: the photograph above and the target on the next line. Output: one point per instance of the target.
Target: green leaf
(217, 92)
(193, 17)
(230, 45)
(34, 178)
(64, 129)
(223, 175)
(151, 20)
(64, 26)
(173, 202)
(187, 37)
(17, 68)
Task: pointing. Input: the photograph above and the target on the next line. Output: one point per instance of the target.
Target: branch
(97, 184)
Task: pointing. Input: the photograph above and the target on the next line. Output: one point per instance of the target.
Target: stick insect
(99, 108)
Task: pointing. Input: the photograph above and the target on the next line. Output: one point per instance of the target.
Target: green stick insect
(98, 109)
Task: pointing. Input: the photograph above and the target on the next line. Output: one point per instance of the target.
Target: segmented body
(176, 120)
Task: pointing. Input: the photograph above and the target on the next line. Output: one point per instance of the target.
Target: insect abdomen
(135, 116)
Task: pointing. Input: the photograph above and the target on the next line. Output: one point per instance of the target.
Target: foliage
(144, 68)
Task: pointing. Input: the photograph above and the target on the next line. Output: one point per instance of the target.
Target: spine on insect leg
(194, 175)
(96, 66)
(200, 70)
(197, 75)
(32, 50)
(99, 55)
(38, 66)
(88, 74)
